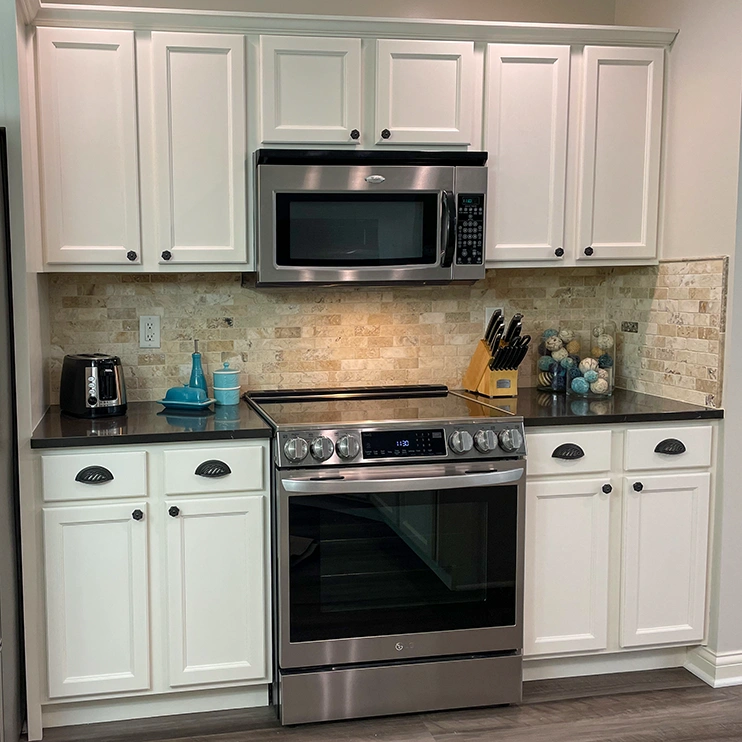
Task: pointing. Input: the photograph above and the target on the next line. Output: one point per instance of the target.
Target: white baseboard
(718, 670)
(142, 707)
(541, 668)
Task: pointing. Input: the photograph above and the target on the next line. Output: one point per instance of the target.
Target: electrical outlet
(149, 331)
(629, 327)
(488, 312)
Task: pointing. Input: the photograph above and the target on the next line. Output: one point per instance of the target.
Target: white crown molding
(28, 10)
(89, 16)
(718, 670)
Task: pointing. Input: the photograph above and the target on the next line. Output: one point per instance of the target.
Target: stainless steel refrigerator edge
(12, 701)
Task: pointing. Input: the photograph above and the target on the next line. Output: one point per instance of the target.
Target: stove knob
(322, 448)
(485, 441)
(348, 447)
(461, 441)
(296, 449)
(511, 439)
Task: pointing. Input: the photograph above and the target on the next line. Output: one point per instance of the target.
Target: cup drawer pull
(213, 469)
(671, 447)
(94, 475)
(568, 451)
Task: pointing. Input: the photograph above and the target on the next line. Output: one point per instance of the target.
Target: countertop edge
(634, 417)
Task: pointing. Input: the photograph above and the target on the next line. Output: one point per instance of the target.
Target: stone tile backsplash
(359, 336)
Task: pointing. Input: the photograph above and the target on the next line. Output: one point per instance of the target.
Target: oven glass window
(356, 229)
(368, 565)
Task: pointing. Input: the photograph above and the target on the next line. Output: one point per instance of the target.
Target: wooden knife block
(480, 380)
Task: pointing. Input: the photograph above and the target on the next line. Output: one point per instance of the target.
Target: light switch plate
(149, 331)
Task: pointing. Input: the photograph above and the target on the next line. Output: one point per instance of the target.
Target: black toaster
(92, 385)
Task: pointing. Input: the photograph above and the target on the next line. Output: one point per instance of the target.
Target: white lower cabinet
(215, 574)
(97, 584)
(663, 562)
(566, 582)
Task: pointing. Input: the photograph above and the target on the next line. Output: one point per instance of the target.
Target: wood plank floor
(655, 706)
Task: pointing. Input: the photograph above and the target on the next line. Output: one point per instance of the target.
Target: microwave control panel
(470, 229)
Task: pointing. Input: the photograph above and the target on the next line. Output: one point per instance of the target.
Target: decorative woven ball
(560, 355)
(588, 364)
(542, 348)
(553, 342)
(599, 387)
(605, 342)
(591, 376)
(567, 362)
(605, 361)
(573, 373)
(580, 385)
(550, 333)
(595, 351)
(545, 378)
(602, 373)
(560, 382)
(598, 330)
(566, 335)
(573, 347)
(544, 362)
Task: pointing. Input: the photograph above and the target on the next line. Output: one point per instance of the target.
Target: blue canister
(227, 385)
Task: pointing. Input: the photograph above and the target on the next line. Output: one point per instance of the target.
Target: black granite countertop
(540, 409)
(147, 422)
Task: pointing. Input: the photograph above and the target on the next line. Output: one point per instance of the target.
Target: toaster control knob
(461, 441)
(295, 449)
(348, 447)
(485, 441)
(322, 448)
(92, 401)
(511, 439)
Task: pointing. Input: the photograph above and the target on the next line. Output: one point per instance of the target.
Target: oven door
(363, 224)
(390, 563)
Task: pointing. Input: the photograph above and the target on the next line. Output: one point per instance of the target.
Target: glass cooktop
(373, 405)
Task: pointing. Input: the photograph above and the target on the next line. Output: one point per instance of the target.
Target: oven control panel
(369, 446)
(470, 229)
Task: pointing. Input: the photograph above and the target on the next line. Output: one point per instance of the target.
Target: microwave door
(361, 224)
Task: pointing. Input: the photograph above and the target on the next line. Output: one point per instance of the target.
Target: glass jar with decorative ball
(560, 350)
(595, 372)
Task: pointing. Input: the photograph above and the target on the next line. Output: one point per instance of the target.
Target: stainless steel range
(398, 551)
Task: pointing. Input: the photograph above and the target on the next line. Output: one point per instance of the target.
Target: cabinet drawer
(198, 470)
(569, 453)
(93, 476)
(668, 448)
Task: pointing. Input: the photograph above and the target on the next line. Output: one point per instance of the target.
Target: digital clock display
(403, 444)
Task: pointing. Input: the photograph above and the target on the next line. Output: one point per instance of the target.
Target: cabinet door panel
(424, 92)
(528, 101)
(663, 567)
(199, 118)
(88, 146)
(620, 153)
(216, 591)
(310, 89)
(95, 560)
(566, 577)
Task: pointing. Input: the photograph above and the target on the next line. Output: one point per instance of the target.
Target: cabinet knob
(213, 469)
(167, 255)
(174, 511)
(559, 252)
(638, 486)
(137, 514)
(588, 251)
(94, 475)
(355, 134)
(607, 489)
(131, 255)
(385, 133)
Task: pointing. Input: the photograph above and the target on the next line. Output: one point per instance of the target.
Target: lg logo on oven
(399, 646)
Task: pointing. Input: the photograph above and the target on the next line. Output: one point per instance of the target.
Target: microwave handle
(448, 219)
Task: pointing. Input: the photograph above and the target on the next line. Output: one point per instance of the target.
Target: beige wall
(533, 11)
(703, 121)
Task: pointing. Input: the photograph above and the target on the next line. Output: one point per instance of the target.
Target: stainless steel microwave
(340, 217)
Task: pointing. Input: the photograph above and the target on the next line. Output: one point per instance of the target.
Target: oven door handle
(340, 485)
(448, 218)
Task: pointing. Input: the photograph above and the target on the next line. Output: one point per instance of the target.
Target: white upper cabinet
(664, 558)
(200, 147)
(526, 138)
(424, 92)
(310, 89)
(88, 146)
(620, 153)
